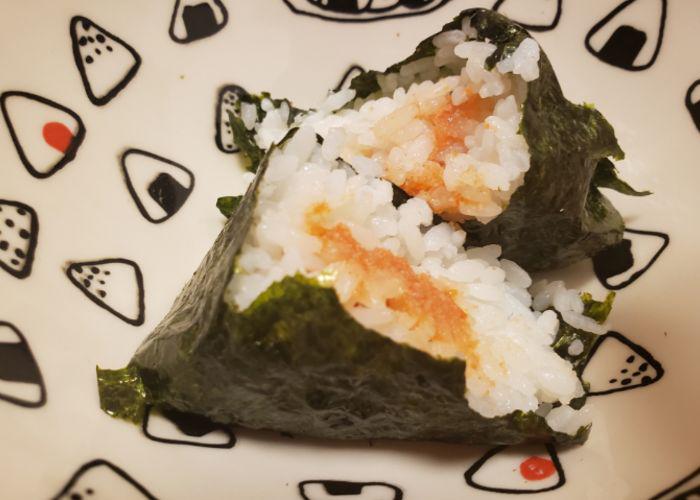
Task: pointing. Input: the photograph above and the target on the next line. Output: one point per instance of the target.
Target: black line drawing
(158, 186)
(320, 489)
(692, 102)
(353, 71)
(106, 63)
(618, 261)
(540, 15)
(626, 44)
(226, 102)
(540, 469)
(21, 382)
(62, 132)
(196, 19)
(98, 476)
(113, 284)
(361, 11)
(618, 364)
(190, 428)
(686, 488)
(19, 235)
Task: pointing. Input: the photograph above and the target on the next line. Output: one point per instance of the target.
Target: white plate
(155, 91)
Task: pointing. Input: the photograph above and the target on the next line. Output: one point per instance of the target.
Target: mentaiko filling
(383, 287)
(453, 140)
(412, 281)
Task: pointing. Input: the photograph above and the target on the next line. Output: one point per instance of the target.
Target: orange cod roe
(419, 296)
(449, 126)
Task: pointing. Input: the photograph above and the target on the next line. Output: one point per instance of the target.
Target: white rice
(567, 302)
(567, 420)
(249, 115)
(510, 364)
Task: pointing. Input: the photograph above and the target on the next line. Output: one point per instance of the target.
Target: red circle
(57, 135)
(537, 468)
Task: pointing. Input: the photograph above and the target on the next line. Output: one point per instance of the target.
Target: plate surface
(110, 165)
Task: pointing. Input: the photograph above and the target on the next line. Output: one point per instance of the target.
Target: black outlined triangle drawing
(620, 265)
(46, 134)
(692, 102)
(618, 364)
(158, 186)
(176, 427)
(519, 469)
(631, 35)
(362, 11)
(19, 235)
(196, 19)
(320, 489)
(227, 102)
(21, 382)
(106, 63)
(102, 479)
(113, 284)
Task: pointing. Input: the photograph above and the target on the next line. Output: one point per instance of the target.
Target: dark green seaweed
(605, 176)
(124, 393)
(558, 216)
(295, 361)
(227, 205)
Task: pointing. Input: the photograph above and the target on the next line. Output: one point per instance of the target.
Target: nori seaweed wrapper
(558, 216)
(296, 362)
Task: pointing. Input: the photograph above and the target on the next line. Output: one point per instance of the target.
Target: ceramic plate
(110, 164)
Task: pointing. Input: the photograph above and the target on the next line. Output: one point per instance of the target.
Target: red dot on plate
(537, 468)
(57, 135)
